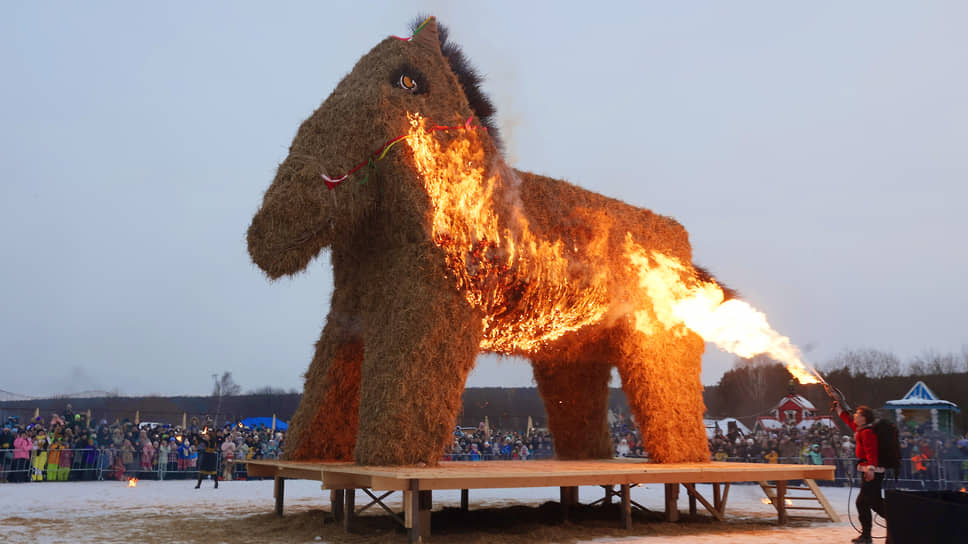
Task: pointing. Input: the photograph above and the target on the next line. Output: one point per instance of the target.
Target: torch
(835, 394)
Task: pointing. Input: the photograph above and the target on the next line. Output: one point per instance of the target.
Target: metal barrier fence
(106, 464)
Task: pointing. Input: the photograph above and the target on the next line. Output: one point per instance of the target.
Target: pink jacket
(21, 447)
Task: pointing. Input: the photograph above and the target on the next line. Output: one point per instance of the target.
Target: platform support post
(717, 498)
(336, 504)
(349, 508)
(279, 492)
(672, 502)
(692, 504)
(626, 507)
(781, 511)
(569, 497)
(464, 500)
(418, 505)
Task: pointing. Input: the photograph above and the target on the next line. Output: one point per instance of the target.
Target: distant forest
(750, 389)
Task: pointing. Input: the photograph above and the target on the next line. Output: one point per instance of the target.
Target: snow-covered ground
(173, 511)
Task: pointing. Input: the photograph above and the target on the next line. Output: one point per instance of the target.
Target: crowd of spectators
(484, 444)
(926, 455)
(70, 447)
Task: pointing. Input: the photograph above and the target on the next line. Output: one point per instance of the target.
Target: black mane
(470, 79)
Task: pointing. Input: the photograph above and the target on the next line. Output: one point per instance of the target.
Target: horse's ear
(427, 34)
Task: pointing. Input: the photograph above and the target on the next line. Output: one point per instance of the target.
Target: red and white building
(793, 411)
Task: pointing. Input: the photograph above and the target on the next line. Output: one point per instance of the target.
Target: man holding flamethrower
(870, 498)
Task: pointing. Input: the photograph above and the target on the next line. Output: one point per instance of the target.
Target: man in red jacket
(867, 464)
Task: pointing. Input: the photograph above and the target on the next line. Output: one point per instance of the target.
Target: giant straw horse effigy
(440, 251)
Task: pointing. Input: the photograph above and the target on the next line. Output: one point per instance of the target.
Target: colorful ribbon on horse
(382, 152)
(427, 20)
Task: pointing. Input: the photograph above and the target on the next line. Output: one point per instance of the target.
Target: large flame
(532, 290)
(529, 291)
(679, 297)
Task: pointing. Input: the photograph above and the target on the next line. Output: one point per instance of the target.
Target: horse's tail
(705, 275)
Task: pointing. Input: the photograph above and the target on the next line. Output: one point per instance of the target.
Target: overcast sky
(817, 153)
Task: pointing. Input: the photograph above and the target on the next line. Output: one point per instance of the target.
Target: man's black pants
(870, 499)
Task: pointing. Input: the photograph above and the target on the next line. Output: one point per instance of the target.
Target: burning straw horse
(440, 250)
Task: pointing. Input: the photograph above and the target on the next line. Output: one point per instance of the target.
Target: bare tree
(267, 391)
(931, 362)
(868, 362)
(225, 386)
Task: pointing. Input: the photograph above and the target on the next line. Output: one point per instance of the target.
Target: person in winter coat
(66, 459)
(869, 499)
(184, 453)
(40, 459)
(127, 455)
(163, 450)
(147, 456)
(53, 459)
(22, 445)
(228, 459)
(88, 459)
(208, 460)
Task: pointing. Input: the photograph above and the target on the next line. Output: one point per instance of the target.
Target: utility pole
(218, 389)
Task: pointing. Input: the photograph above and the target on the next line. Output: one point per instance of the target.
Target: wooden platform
(417, 483)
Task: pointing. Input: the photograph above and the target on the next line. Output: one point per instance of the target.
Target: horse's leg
(421, 338)
(575, 396)
(661, 378)
(324, 425)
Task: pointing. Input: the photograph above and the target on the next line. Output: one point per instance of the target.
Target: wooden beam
(569, 497)
(279, 492)
(722, 504)
(831, 513)
(626, 507)
(672, 502)
(336, 504)
(694, 495)
(412, 513)
(349, 508)
(464, 500)
(781, 508)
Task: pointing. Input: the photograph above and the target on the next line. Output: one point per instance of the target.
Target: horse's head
(310, 204)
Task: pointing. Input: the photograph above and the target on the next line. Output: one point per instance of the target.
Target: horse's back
(560, 210)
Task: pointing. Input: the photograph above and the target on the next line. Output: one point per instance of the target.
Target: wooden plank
(831, 513)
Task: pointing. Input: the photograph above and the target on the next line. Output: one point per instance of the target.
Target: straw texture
(406, 319)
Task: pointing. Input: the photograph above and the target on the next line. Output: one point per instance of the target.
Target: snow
(28, 512)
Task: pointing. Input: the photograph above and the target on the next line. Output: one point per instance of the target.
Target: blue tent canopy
(254, 422)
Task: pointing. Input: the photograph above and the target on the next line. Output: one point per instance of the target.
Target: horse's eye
(407, 82)
(408, 78)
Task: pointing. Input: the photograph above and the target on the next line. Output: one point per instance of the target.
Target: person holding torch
(873, 475)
